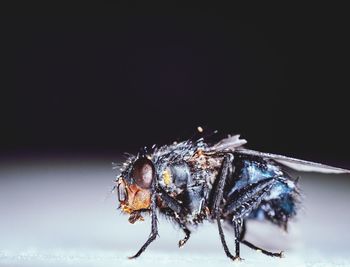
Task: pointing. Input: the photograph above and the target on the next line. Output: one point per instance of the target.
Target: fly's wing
(293, 163)
(229, 143)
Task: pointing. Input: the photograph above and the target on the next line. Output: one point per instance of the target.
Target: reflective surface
(59, 212)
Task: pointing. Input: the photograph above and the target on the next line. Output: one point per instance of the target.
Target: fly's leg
(237, 240)
(183, 241)
(252, 246)
(243, 230)
(237, 231)
(171, 203)
(245, 201)
(266, 252)
(223, 241)
(154, 229)
(241, 204)
(226, 170)
(178, 211)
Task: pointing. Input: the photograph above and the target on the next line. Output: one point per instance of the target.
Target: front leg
(154, 230)
(177, 211)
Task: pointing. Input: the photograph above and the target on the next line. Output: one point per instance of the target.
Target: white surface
(59, 213)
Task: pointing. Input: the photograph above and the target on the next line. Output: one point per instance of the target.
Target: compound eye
(122, 195)
(142, 172)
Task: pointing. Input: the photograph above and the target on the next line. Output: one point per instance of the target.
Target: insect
(193, 181)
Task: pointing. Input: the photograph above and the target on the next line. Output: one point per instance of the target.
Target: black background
(116, 79)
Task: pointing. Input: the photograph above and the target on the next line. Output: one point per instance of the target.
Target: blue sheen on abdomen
(279, 203)
(252, 172)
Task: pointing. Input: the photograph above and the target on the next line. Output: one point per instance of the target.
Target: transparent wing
(293, 163)
(229, 143)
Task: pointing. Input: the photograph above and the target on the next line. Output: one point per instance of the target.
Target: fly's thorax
(175, 177)
(205, 166)
(187, 182)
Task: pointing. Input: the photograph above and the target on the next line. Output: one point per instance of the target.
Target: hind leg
(242, 204)
(252, 246)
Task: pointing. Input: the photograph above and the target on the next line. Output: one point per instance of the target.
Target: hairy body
(190, 182)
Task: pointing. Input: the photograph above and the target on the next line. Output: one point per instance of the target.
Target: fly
(193, 181)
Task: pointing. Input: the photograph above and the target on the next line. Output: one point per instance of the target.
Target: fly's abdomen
(279, 205)
(261, 190)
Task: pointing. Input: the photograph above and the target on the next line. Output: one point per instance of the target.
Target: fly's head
(134, 188)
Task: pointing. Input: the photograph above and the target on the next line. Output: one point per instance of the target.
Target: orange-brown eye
(142, 172)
